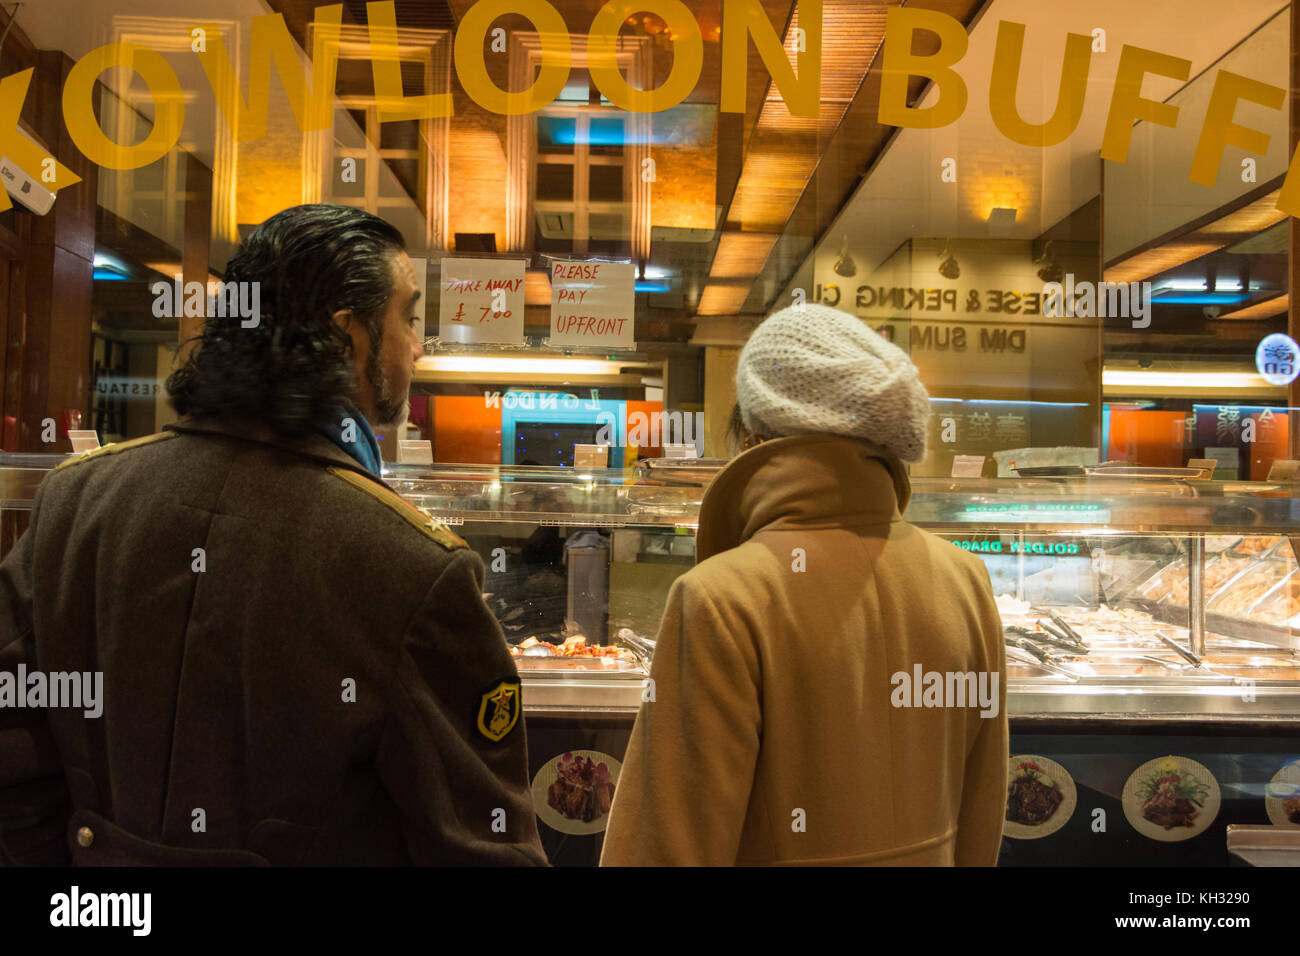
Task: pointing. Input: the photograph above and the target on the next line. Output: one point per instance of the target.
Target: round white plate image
(1171, 799)
(1029, 772)
(581, 791)
(1282, 796)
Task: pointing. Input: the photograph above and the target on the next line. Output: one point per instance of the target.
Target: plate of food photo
(1040, 797)
(1282, 796)
(573, 791)
(1171, 798)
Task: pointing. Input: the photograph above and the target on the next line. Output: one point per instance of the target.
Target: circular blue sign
(1278, 359)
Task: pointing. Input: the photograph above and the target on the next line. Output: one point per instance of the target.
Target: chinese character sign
(1227, 425)
(1278, 359)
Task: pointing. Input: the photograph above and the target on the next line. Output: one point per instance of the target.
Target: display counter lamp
(845, 265)
(949, 268)
(1050, 270)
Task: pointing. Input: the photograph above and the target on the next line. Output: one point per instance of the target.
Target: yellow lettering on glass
(385, 60)
(602, 55)
(472, 68)
(1219, 131)
(1127, 105)
(269, 42)
(164, 90)
(745, 19)
(13, 91)
(1069, 97)
(900, 65)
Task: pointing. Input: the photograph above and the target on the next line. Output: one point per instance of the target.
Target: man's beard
(390, 408)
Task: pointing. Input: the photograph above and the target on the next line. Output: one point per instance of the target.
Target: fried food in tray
(1218, 572)
(1245, 591)
(1282, 604)
(1140, 657)
(1161, 585)
(1256, 544)
(574, 654)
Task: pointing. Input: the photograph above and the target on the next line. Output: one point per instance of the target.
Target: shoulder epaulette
(431, 528)
(112, 448)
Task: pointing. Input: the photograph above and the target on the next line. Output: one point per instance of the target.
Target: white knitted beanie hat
(812, 369)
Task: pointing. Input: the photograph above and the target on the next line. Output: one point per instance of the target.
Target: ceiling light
(1200, 298)
(1051, 271)
(949, 268)
(1198, 285)
(1119, 378)
(741, 255)
(723, 299)
(489, 365)
(844, 265)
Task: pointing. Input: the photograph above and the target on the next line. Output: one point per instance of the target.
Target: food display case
(1152, 630)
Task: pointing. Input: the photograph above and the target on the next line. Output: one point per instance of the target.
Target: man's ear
(343, 318)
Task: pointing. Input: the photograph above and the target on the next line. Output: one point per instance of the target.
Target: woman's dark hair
(736, 427)
(738, 436)
(293, 368)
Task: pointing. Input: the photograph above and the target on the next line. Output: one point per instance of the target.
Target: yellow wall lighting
(1118, 378)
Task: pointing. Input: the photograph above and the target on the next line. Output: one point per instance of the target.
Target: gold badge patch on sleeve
(498, 710)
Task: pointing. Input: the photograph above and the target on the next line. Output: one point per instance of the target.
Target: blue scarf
(365, 447)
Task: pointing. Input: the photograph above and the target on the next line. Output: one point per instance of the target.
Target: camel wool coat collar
(804, 481)
(772, 731)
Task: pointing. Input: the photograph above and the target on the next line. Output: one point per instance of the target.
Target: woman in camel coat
(828, 681)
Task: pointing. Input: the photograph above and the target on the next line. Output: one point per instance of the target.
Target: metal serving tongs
(1059, 621)
(1182, 652)
(1038, 657)
(642, 647)
(1061, 638)
(1046, 637)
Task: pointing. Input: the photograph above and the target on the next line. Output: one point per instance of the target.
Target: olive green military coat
(298, 667)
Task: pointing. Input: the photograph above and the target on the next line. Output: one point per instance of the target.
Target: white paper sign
(967, 466)
(1283, 469)
(414, 452)
(481, 300)
(83, 440)
(592, 303)
(590, 456)
(680, 451)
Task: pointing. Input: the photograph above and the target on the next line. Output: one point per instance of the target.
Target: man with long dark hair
(297, 665)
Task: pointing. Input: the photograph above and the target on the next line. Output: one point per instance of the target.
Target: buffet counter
(1153, 660)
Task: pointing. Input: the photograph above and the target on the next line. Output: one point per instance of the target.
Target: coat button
(85, 836)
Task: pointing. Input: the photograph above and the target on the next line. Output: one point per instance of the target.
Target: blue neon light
(1203, 298)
